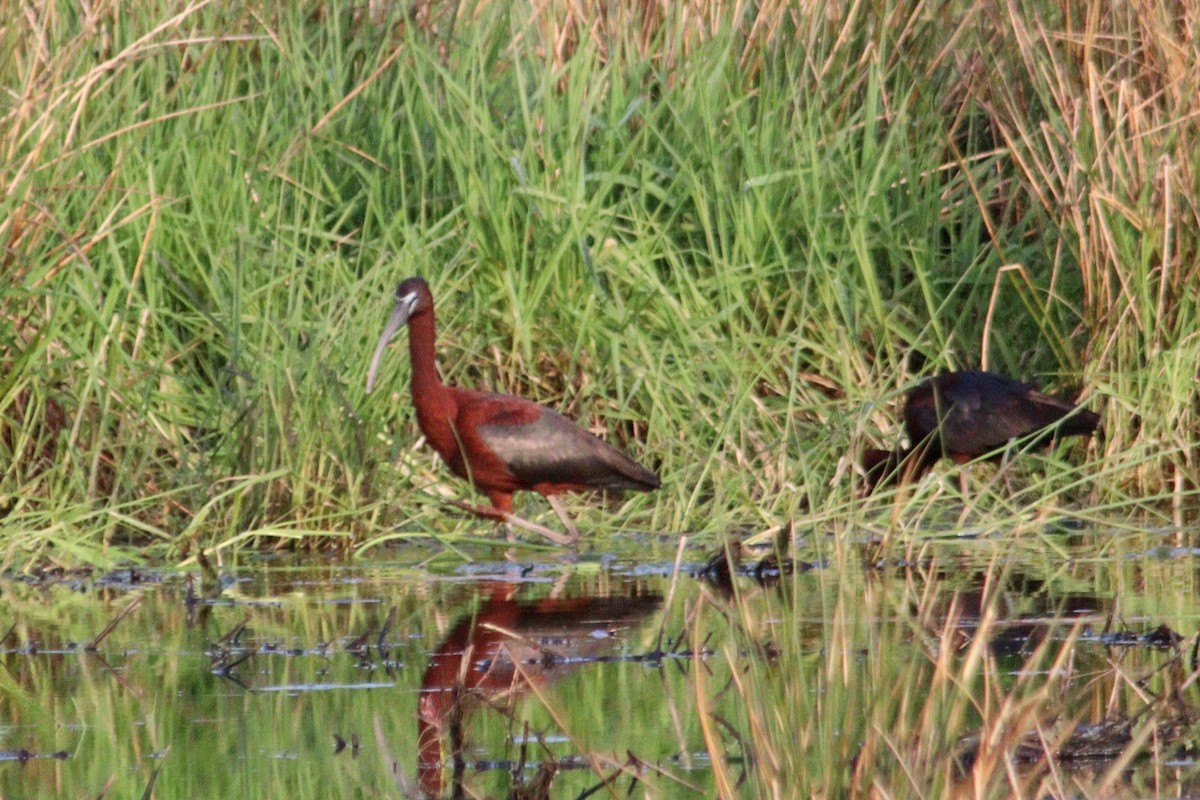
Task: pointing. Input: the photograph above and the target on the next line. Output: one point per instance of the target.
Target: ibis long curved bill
(399, 318)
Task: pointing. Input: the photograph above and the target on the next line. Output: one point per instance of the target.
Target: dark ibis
(969, 415)
(499, 442)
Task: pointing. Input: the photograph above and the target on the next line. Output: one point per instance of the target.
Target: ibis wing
(550, 448)
(1069, 419)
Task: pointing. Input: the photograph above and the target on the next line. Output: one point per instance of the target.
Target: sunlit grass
(725, 239)
(727, 264)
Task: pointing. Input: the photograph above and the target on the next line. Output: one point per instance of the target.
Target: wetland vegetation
(727, 238)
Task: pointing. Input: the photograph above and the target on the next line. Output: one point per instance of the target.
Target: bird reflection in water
(503, 650)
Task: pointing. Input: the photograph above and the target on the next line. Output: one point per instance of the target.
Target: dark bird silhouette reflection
(503, 650)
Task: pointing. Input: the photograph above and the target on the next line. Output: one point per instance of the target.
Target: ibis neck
(426, 383)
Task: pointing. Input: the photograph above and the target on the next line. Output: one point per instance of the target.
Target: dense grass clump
(724, 237)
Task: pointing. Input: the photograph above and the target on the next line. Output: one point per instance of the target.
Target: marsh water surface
(382, 675)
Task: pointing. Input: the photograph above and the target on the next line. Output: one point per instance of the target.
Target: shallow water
(297, 678)
(329, 677)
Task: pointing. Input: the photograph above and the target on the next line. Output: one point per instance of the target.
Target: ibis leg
(533, 527)
(561, 510)
(491, 512)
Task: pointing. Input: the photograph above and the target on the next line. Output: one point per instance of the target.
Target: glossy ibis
(967, 415)
(499, 442)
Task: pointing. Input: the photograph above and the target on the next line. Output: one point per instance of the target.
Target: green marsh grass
(730, 263)
(725, 237)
